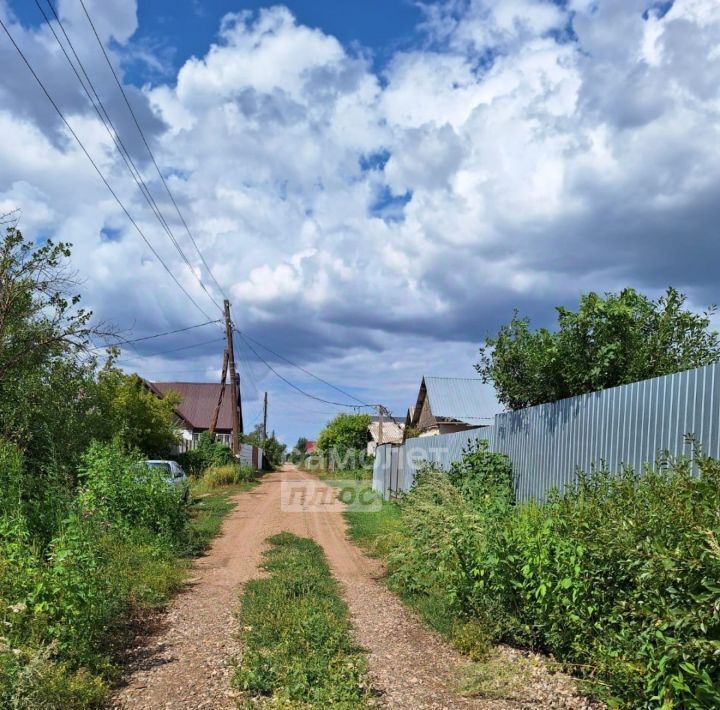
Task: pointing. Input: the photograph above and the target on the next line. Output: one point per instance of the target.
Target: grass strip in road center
(295, 631)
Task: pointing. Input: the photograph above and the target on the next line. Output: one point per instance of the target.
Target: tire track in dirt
(187, 663)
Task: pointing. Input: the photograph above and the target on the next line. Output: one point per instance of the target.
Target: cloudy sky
(375, 185)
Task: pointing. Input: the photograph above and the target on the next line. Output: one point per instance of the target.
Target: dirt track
(186, 663)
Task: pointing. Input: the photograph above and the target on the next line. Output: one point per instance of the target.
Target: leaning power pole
(235, 443)
(265, 418)
(221, 394)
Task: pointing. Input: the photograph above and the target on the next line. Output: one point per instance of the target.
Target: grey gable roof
(457, 398)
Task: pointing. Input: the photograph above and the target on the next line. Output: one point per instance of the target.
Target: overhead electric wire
(157, 335)
(175, 350)
(292, 384)
(97, 169)
(149, 150)
(114, 134)
(307, 372)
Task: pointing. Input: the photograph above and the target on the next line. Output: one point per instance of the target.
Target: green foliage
(87, 537)
(377, 532)
(45, 382)
(132, 414)
(207, 513)
(227, 475)
(483, 476)
(117, 489)
(609, 341)
(616, 577)
(344, 438)
(299, 452)
(112, 552)
(296, 640)
(207, 453)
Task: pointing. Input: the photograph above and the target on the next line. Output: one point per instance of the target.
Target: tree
(344, 435)
(298, 454)
(46, 375)
(609, 341)
(129, 412)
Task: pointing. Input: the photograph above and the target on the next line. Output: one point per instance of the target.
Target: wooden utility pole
(235, 443)
(265, 418)
(223, 380)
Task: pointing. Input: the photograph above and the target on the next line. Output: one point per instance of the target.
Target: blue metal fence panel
(631, 425)
(439, 450)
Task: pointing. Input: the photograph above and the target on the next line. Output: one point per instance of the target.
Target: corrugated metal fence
(395, 466)
(628, 425)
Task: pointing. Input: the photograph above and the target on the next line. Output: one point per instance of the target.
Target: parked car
(173, 473)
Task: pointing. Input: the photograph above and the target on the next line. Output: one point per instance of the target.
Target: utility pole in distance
(234, 444)
(265, 418)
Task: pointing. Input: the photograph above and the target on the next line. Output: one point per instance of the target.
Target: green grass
(376, 532)
(224, 477)
(359, 474)
(380, 534)
(295, 633)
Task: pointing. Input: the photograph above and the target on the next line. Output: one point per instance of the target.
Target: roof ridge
(466, 379)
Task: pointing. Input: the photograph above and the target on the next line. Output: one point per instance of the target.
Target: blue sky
(179, 29)
(188, 26)
(374, 195)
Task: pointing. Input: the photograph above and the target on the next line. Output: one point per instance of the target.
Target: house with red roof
(195, 412)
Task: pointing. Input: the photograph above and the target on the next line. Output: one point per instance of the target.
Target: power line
(307, 372)
(114, 134)
(156, 335)
(97, 169)
(183, 347)
(147, 145)
(293, 385)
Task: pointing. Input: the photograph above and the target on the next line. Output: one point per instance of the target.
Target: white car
(173, 473)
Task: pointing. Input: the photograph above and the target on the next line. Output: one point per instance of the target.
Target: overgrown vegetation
(113, 551)
(609, 341)
(228, 475)
(89, 537)
(617, 577)
(297, 648)
(206, 454)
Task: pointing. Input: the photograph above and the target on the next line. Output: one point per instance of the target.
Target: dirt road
(186, 663)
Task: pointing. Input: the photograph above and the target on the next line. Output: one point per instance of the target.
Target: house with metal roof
(448, 404)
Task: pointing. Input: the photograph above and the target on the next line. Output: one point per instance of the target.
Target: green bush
(207, 453)
(483, 477)
(112, 555)
(618, 576)
(117, 489)
(227, 475)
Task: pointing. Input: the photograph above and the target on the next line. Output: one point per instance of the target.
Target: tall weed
(618, 576)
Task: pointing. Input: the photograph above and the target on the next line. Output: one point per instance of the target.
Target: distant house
(392, 433)
(448, 404)
(310, 447)
(197, 408)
